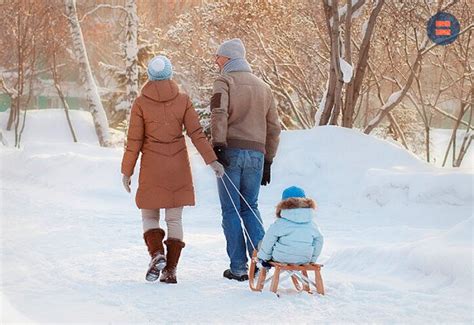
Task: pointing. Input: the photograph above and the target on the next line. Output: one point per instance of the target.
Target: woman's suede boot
(174, 247)
(154, 242)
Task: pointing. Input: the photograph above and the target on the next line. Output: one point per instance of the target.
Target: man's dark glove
(266, 173)
(220, 153)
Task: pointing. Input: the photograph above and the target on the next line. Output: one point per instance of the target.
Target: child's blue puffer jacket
(294, 238)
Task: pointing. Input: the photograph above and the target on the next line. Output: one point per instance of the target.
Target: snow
(10, 314)
(342, 11)
(398, 235)
(346, 69)
(322, 103)
(49, 126)
(392, 99)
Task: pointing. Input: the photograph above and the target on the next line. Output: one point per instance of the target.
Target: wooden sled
(298, 274)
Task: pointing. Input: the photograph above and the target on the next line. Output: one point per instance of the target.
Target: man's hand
(126, 183)
(266, 173)
(221, 156)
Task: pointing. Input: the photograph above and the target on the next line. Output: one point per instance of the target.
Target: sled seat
(298, 274)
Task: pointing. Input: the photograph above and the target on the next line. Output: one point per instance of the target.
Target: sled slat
(298, 273)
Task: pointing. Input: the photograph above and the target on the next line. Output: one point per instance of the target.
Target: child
(293, 238)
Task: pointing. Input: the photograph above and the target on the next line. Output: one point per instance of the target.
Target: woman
(165, 182)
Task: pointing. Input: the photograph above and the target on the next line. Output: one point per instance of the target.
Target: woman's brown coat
(156, 130)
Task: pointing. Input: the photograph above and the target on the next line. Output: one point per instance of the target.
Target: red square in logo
(443, 32)
(443, 23)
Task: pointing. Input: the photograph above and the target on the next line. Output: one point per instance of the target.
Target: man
(245, 131)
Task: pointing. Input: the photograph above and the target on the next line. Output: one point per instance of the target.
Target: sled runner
(298, 274)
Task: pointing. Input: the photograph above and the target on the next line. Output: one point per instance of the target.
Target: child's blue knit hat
(293, 191)
(160, 68)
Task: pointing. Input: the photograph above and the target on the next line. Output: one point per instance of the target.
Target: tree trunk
(353, 87)
(397, 96)
(332, 99)
(427, 142)
(452, 140)
(95, 105)
(20, 72)
(398, 130)
(13, 108)
(131, 58)
(62, 97)
(11, 116)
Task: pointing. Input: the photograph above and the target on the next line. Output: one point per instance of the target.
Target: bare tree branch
(101, 6)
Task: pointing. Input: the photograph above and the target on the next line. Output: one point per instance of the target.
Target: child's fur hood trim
(295, 203)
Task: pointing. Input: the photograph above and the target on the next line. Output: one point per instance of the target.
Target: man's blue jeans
(245, 170)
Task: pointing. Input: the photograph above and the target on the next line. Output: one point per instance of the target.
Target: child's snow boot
(174, 247)
(154, 242)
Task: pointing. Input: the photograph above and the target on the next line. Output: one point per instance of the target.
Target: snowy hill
(398, 235)
(50, 126)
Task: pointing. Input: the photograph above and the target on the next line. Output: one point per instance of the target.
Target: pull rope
(237, 211)
(243, 198)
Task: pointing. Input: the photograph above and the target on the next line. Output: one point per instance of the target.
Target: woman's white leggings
(173, 219)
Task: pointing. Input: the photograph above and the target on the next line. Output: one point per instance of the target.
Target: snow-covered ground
(398, 235)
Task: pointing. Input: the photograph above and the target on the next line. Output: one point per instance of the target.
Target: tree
(22, 37)
(280, 55)
(345, 81)
(131, 52)
(124, 78)
(56, 36)
(396, 97)
(95, 105)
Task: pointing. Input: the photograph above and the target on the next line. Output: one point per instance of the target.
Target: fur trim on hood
(295, 203)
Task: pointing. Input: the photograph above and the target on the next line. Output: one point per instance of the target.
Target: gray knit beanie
(233, 49)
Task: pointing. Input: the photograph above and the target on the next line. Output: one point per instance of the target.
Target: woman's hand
(126, 182)
(217, 168)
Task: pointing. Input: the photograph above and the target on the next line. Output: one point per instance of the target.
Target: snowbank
(438, 262)
(344, 164)
(50, 126)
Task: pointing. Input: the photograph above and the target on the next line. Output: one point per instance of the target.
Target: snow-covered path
(81, 260)
(72, 247)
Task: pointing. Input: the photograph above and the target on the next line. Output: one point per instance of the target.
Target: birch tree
(95, 105)
(121, 96)
(131, 53)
